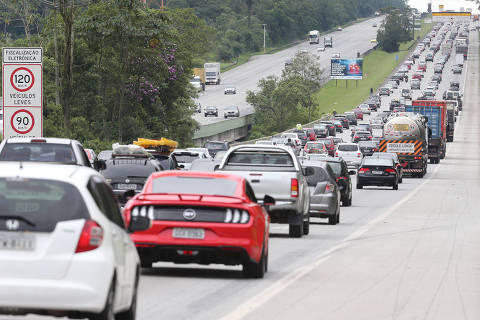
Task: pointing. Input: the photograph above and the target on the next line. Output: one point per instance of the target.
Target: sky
(448, 4)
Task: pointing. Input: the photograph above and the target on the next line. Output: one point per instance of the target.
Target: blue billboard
(346, 69)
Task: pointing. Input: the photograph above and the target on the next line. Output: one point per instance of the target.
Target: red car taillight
(389, 170)
(336, 154)
(418, 158)
(329, 187)
(363, 170)
(294, 188)
(90, 238)
(359, 154)
(370, 137)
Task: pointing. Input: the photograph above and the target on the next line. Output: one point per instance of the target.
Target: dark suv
(352, 118)
(343, 119)
(344, 181)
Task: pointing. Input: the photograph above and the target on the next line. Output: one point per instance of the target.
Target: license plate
(188, 233)
(125, 186)
(377, 172)
(16, 241)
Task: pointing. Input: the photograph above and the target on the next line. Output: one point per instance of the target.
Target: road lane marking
(268, 293)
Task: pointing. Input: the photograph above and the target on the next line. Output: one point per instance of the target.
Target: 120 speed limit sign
(22, 79)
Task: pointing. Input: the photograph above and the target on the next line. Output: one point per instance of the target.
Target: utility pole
(264, 33)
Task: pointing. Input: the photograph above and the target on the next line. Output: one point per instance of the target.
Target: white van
(459, 59)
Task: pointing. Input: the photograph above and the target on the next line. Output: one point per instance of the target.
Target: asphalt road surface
(348, 42)
(406, 254)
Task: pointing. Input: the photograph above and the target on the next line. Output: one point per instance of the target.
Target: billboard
(346, 69)
(446, 16)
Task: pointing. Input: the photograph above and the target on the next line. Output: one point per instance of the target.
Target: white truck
(274, 170)
(212, 72)
(459, 59)
(314, 37)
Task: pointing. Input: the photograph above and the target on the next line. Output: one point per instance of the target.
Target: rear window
(348, 147)
(185, 158)
(39, 204)
(128, 168)
(377, 162)
(195, 185)
(320, 175)
(261, 158)
(38, 152)
(216, 146)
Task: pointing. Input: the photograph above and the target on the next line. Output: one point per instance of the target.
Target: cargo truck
(436, 113)
(328, 42)
(461, 47)
(212, 73)
(406, 136)
(314, 37)
(199, 76)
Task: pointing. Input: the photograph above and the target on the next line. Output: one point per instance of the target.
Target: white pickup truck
(274, 170)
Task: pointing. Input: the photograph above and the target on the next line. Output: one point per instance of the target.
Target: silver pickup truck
(274, 171)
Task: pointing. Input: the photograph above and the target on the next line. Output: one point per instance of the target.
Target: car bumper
(83, 289)
(376, 180)
(322, 205)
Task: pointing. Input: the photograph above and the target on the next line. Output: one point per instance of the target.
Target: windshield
(195, 185)
(348, 147)
(185, 158)
(336, 167)
(377, 162)
(38, 152)
(125, 168)
(319, 176)
(39, 204)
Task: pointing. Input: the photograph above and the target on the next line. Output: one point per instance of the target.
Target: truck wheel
(295, 230)
(306, 226)
(256, 270)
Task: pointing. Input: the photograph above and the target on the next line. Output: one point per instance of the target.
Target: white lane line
(280, 285)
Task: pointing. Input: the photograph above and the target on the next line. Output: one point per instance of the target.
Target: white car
(364, 108)
(350, 152)
(185, 157)
(64, 249)
(265, 142)
(293, 136)
(204, 150)
(321, 48)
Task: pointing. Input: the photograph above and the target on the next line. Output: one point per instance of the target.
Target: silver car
(324, 192)
(350, 152)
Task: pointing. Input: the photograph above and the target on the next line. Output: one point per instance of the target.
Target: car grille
(193, 214)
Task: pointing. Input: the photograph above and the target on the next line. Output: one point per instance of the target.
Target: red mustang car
(200, 217)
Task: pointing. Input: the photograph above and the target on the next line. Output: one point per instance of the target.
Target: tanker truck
(406, 136)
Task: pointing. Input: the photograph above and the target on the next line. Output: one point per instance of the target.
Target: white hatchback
(64, 249)
(350, 152)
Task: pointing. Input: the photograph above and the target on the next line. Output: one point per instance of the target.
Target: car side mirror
(99, 164)
(352, 172)
(139, 223)
(268, 201)
(308, 171)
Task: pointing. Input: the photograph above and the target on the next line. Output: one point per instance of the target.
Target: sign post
(22, 87)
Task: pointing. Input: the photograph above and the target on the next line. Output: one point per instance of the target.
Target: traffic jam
(78, 229)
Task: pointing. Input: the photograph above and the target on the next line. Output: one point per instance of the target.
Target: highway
(353, 39)
(406, 254)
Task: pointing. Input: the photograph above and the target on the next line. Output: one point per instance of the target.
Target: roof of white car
(44, 140)
(60, 172)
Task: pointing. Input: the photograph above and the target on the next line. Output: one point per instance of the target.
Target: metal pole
(264, 32)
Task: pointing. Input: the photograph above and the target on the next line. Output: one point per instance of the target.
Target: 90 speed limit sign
(22, 121)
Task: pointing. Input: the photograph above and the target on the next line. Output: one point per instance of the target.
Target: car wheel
(333, 219)
(432, 161)
(306, 226)
(295, 230)
(338, 216)
(131, 313)
(400, 180)
(359, 186)
(256, 270)
(395, 186)
(107, 313)
(146, 263)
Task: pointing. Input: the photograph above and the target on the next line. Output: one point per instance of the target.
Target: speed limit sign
(22, 92)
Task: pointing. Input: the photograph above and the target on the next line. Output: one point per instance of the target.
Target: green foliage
(396, 28)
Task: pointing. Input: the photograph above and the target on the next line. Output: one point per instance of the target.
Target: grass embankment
(377, 66)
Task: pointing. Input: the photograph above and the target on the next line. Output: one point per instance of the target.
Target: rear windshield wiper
(27, 221)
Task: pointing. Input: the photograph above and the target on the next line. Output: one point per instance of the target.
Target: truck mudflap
(413, 165)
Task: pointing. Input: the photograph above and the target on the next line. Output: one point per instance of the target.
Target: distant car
(229, 90)
(456, 69)
(329, 144)
(288, 62)
(68, 252)
(185, 157)
(418, 75)
(394, 157)
(321, 48)
(437, 77)
(210, 111)
(367, 147)
(324, 192)
(216, 146)
(332, 130)
(358, 114)
(343, 119)
(338, 125)
(374, 25)
(315, 147)
(336, 55)
(384, 91)
(365, 108)
(352, 118)
(350, 152)
(231, 111)
(321, 130)
(339, 29)
(197, 107)
(438, 68)
(406, 94)
(362, 136)
(222, 223)
(393, 84)
(433, 84)
(377, 172)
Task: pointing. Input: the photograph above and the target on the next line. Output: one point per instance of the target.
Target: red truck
(436, 112)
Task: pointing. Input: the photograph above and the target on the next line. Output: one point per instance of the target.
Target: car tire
(131, 312)
(333, 220)
(107, 313)
(256, 270)
(432, 161)
(400, 180)
(295, 230)
(395, 185)
(306, 226)
(359, 186)
(147, 264)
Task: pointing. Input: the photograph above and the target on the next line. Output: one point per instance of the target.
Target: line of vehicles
(68, 249)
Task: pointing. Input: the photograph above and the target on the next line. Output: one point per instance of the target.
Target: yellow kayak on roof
(163, 144)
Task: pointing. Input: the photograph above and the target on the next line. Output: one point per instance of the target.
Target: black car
(211, 111)
(454, 85)
(394, 157)
(352, 118)
(344, 181)
(214, 146)
(362, 136)
(344, 121)
(128, 173)
(367, 147)
(332, 131)
(372, 105)
(321, 130)
(377, 172)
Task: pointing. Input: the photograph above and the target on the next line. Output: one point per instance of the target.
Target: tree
(394, 30)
